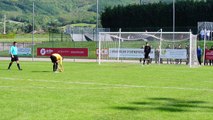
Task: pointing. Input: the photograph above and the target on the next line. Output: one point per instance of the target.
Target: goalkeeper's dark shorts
(53, 59)
(146, 56)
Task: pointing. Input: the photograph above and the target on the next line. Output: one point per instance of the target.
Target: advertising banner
(72, 52)
(129, 53)
(104, 52)
(209, 54)
(174, 53)
(24, 51)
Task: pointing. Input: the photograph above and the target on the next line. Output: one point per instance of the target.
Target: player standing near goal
(14, 56)
(147, 50)
(199, 54)
(57, 59)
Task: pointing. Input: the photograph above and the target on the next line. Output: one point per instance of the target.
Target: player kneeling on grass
(57, 62)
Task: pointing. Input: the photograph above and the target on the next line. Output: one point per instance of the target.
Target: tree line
(158, 15)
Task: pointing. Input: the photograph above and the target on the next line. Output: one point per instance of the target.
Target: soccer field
(111, 91)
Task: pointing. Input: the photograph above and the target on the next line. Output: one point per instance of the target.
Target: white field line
(55, 88)
(106, 85)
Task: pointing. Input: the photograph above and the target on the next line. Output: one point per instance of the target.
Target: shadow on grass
(127, 108)
(168, 105)
(42, 71)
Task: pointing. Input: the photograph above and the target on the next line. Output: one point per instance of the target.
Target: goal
(166, 47)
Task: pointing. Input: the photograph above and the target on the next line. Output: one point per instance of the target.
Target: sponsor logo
(43, 51)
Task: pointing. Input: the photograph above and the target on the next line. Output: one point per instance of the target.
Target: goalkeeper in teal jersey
(14, 56)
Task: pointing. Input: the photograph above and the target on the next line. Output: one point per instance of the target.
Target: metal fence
(84, 33)
(91, 45)
(5, 46)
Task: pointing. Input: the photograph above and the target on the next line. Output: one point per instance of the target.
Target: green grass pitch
(110, 91)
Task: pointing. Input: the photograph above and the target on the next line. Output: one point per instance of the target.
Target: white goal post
(166, 47)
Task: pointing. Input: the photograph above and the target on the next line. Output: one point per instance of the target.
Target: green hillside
(64, 11)
(52, 13)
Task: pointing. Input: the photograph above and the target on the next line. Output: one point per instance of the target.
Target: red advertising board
(72, 52)
(209, 55)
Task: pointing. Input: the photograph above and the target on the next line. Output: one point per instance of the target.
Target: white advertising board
(129, 53)
(174, 53)
(24, 51)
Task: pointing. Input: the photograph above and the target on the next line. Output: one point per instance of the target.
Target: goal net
(166, 47)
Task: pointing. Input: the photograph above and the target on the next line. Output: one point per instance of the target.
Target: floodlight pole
(173, 15)
(4, 24)
(97, 11)
(173, 19)
(99, 42)
(33, 34)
